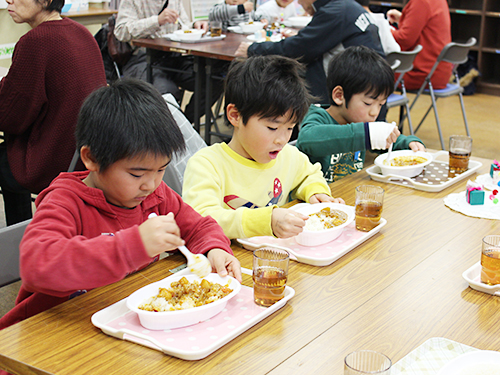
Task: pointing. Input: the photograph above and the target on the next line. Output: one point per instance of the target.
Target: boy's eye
(134, 175)
(273, 129)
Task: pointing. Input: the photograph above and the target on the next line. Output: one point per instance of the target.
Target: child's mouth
(273, 154)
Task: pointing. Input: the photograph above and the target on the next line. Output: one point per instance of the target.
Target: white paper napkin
(458, 202)
(487, 182)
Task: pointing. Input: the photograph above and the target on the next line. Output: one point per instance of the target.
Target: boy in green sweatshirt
(337, 137)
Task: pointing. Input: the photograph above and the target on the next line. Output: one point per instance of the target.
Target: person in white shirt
(273, 10)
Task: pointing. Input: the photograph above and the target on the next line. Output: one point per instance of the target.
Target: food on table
(185, 295)
(187, 31)
(404, 161)
(325, 219)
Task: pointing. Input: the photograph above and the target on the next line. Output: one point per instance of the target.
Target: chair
(10, 238)
(405, 59)
(454, 53)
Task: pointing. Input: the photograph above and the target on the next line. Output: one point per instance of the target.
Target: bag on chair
(120, 52)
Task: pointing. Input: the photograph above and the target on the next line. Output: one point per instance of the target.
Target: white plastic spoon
(387, 160)
(197, 263)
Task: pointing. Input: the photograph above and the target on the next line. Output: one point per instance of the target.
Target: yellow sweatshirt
(240, 193)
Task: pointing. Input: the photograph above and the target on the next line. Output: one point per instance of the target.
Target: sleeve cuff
(368, 144)
(241, 9)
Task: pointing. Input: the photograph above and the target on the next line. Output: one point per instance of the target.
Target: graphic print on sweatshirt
(234, 202)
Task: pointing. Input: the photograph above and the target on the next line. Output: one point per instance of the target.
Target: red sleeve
(56, 260)
(413, 21)
(201, 234)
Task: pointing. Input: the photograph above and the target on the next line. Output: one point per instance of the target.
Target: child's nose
(148, 185)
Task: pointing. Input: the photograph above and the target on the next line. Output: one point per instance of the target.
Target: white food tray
(430, 357)
(473, 277)
(434, 177)
(321, 255)
(203, 39)
(196, 341)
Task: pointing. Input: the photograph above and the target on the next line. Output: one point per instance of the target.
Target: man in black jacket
(336, 25)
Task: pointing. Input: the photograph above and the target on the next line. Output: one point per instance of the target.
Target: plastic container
(179, 318)
(189, 34)
(315, 238)
(250, 28)
(407, 171)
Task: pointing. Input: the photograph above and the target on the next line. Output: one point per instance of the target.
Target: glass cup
(215, 28)
(460, 150)
(490, 260)
(270, 273)
(170, 28)
(369, 201)
(367, 362)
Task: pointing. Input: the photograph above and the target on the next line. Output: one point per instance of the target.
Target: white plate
(471, 363)
(473, 277)
(237, 30)
(274, 38)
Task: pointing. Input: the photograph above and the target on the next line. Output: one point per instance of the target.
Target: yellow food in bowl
(185, 295)
(187, 31)
(405, 161)
(326, 219)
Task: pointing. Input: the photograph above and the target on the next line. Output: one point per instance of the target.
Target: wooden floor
(483, 114)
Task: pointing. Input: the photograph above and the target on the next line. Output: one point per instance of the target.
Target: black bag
(120, 52)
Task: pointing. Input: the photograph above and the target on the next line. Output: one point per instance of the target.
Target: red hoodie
(77, 241)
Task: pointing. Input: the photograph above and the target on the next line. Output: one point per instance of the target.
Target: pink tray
(322, 255)
(196, 341)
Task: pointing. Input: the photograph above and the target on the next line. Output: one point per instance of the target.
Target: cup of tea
(215, 28)
(460, 150)
(270, 273)
(367, 362)
(490, 260)
(369, 202)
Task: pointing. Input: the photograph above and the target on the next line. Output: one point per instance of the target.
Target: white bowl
(179, 318)
(407, 171)
(315, 238)
(250, 28)
(300, 21)
(189, 34)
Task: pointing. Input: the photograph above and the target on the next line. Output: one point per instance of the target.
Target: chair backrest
(174, 173)
(406, 59)
(454, 53)
(10, 238)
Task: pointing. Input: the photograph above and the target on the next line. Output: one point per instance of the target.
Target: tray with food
(201, 330)
(434, 177)
(318, 248)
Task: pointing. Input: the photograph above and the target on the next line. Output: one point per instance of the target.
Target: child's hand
(287, 223)
(416, 146)
(248, 5)
(224, 263)
(393, 16)
(318, 198)
(242, 50)
(392, 137)
(168, 16)
(160, 234)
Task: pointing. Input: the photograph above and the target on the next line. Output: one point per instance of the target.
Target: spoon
(387, 160)
(197, 263)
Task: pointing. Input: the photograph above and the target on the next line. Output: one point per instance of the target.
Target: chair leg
(433, 98)
(410, 125)
(423, 118)
(463, 113)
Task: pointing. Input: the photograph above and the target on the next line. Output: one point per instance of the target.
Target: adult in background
(335, 25)
(149, 19)
(425, 22)
(54, 67)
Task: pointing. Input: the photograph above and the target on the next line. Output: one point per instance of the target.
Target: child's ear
(88, 159)
(233, 115)
(338, 95)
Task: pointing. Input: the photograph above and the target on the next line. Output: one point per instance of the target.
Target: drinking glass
(369, 202)
(367, 362)
(490, 260)
(215, 28)
(460, 150)
(270, 273)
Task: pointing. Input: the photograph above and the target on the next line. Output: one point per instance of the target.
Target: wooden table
(205, 54)
(91, 16)
(392, 293)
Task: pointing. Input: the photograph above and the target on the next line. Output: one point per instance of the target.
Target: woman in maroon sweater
(55, 66)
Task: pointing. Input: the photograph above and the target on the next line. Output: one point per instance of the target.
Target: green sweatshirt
(340, 149)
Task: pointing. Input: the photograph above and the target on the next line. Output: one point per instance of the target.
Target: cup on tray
(215, 28)
(369, 202)
(270, 273)
(367, 362)
(490, 260)
(460, 150)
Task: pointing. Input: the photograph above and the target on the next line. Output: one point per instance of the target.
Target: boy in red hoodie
(91, 228)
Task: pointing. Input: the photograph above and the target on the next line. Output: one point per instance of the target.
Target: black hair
(127, 119)
(267, 86)
(357, 70)
(51, 6)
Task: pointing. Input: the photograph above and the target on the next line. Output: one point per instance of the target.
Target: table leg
(208, 99)
(149, 67)
(198, 70)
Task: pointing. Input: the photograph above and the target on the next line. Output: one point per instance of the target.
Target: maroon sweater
(55, 66)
